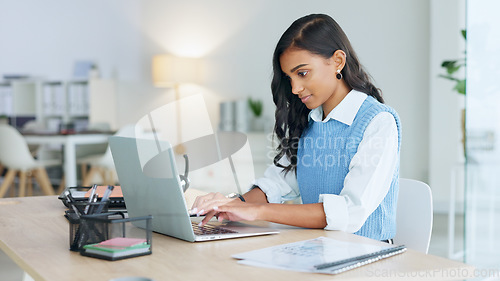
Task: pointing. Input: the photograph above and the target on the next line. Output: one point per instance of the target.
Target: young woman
(339, 144)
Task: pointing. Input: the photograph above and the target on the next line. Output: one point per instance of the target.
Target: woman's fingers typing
(203, 203)
(243, 211)
(208, 205)
(208, 217)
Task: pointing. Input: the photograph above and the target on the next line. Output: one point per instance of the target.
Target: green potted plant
(256, 107)
(452, 67)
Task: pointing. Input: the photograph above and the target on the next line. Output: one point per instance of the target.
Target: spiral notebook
(319, 255)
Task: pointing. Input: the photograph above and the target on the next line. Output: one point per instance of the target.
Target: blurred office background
(401, 43)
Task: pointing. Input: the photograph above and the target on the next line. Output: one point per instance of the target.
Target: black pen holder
(89, 208)
(83, 231)
(78, 228)
(89, 230)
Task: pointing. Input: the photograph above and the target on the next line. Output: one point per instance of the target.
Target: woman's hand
(237, 211)
(216, 204)
(256, 207)
(205, 203)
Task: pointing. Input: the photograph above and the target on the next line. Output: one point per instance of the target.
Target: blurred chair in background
(33, 126)
(102, 164)
(16, 157)
(88, 150)
(92, 150)
(46, 151)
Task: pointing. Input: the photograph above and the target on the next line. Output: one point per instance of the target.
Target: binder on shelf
(78, 98)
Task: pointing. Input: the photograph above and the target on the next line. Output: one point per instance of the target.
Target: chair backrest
(414, 215)
(14, 151)
(33, 125)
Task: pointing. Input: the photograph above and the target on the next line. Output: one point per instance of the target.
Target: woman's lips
(304, 99)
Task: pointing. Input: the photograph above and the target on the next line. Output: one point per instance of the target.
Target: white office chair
(16, 157)
(33, 125)
(414, 215)
(42, 151)
(103, 164)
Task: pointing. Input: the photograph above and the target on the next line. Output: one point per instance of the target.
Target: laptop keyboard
(209, 229)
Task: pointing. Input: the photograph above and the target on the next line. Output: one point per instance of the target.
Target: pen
(92, 206)
(69, 197)
(84, 229)
(70, 200)
(92, 191)
(105, 198)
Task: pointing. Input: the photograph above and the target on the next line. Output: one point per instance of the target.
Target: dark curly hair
(321, 35)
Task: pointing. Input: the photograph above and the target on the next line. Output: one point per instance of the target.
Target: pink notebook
(122, 242)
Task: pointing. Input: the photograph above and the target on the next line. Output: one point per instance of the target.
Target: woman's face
(312, 78)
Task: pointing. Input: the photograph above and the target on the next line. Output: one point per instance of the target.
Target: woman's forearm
(301, 215)
(256, 207)
(256, 195)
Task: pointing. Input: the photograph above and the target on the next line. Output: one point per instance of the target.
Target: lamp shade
(170, 70)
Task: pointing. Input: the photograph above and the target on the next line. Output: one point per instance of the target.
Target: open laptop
(151, 186)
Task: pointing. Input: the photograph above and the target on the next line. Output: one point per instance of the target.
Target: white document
(320, 255)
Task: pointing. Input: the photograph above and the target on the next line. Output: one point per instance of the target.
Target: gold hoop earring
(338, 75)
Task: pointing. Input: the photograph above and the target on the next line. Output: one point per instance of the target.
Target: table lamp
(169, 72)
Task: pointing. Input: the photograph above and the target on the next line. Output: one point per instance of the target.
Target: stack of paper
(320, 255)
(118, 247)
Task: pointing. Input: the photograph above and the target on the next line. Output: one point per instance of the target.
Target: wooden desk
(69, 142)
(34, 233)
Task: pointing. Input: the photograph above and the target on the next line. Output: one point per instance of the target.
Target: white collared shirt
(366, 183)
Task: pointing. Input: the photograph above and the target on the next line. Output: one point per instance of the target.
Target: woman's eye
(302, 73)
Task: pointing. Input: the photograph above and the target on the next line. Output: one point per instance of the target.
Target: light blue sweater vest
(324, 153)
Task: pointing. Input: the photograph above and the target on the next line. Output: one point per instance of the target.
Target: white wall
(386, 35)
(45, 38)
(236, 40)
(446, 150)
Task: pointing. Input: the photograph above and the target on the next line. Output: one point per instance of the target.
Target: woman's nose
(297, 88)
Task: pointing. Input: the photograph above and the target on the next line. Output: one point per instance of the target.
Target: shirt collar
(344, 112)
